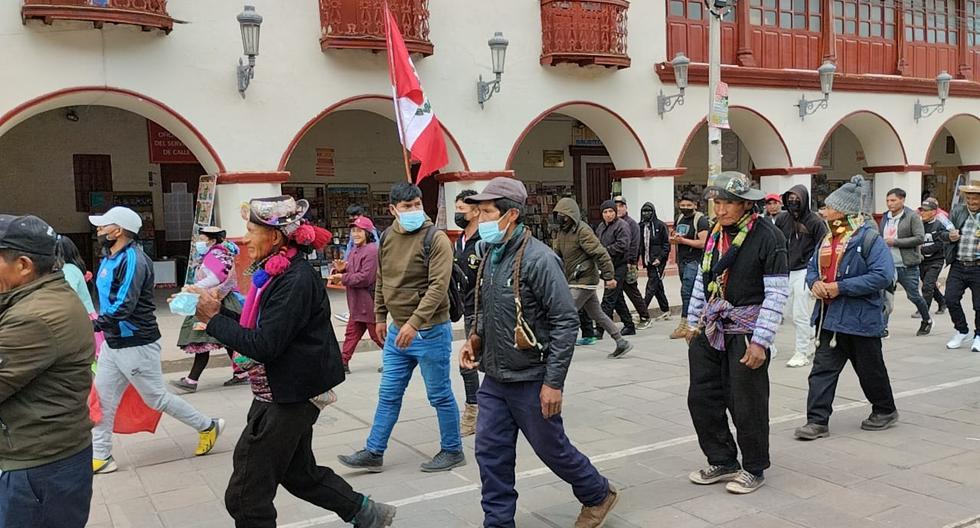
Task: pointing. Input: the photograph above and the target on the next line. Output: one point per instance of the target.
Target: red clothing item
(830, 273)
(362, 270)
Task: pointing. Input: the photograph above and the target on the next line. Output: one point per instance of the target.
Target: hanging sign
(719, 107)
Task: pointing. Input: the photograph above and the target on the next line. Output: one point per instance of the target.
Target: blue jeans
(908, 277)
(55, 495)
(689, 274)
(431, 351)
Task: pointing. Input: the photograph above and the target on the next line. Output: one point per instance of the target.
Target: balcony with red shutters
(147, 14)
(360, 24)
(584, 32)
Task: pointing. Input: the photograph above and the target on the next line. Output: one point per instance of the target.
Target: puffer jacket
(548, 308)
(580, 250)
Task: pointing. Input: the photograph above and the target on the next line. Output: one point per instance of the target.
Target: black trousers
(586, 323)
(655, 288)
(612, 300)
(632, 292)
(929, 272)
(719, 383)
(869, 365)
(276, 448)
(960, 278)
(471, 377)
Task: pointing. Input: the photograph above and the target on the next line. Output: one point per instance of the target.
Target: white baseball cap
(123, 217)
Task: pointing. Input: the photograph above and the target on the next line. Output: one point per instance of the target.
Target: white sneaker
(342, 317)
(773, 351)
(958, 341)
(976, 344)
(798, 360)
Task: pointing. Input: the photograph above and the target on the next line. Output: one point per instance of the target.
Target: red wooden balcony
(360, 24)
(584, 32)
(147, 14)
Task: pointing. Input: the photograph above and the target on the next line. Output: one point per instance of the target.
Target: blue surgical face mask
(491, 233)
(201, 247)
(412, 220)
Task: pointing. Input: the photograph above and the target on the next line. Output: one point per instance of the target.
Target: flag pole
(391, 77)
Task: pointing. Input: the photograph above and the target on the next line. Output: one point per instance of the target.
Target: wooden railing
(584, 32)
(147, 14)
(360, 24)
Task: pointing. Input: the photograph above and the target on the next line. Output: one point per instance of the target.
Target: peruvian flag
(419, 130)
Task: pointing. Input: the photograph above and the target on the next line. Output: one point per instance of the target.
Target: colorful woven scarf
(845, 229)
(716, 274)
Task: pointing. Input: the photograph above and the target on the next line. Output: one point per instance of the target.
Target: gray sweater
(911, 235)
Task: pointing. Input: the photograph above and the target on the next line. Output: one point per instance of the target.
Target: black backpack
(457, 281)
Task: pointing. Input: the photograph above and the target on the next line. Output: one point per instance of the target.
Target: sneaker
(236, 380)
(208, 437)
(595, 516)
(925, 327)
(798, 360)
(586, 341)
(681, 331)
(773, 352)
(644, 324)
(184, 385)
(958, 341)
(976, 344)
(622, 348)
(941, 310)
(365, 460)
(879, 422)
(101, 467)
(915, 315)
(629, 331)
(342, 317)
(346, 369)
(745, 482)
(662, 317)
(374, 515)
(812, 431)
(713, 474)
(467, 423)
(444, 461)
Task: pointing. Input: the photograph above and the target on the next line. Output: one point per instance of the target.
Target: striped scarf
(716, 274)
(830, 257)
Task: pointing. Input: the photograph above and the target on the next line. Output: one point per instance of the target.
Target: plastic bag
(184, 303)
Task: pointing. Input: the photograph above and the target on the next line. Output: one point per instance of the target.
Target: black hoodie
(654, 238)
(803, 234)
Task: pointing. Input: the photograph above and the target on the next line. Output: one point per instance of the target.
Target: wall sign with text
(166, 147)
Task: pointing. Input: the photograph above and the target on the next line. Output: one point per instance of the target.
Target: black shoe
(374, 515)
(812, 431)
(184, 385)
(444, 461)
(363, 459)
(628, 331)
(884, 335)
(346, 369)
(712, 474)
(941, 310)
(879, 422)
(924, 328)
(622, 348)
(236, 380)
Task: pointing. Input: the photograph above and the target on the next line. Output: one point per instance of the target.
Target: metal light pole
(714, 77)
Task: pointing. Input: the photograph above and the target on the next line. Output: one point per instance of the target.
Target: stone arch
(760, 137)
(965, 128)
(879, 139)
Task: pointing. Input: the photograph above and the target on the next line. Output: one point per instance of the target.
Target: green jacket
(405, 288)
(46, 354)
(580, 249)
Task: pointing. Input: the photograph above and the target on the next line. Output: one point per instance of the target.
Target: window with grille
(931, 21)
(786, 14)
(865, 18)
(695, 10)
(93, 173)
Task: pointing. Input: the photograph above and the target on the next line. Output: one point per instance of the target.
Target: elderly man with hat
(736, 307)
(963, 256)
(526, 324)
(933, 253)
(774, 206)
(46, 353)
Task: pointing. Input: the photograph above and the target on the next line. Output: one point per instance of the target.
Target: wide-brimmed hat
(732, 185)
(279, 211)
(213, 232)
(972, 186)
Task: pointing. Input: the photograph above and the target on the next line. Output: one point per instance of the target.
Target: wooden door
(945, 188)
(598, 184)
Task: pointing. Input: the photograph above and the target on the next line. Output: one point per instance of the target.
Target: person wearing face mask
(614, 235)
(358, 279)
(468, 258)
(654, 253)
(131, 352)
(804, 230)
(215, 272)
(689, 235)
(523, 342)
(630, 289)
(416, 296)
(582, 254)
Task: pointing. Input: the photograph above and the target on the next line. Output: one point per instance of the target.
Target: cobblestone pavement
(631, 416)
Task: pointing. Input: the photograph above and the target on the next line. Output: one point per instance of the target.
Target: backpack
(866, 242)
(698, 215)
(457, 281)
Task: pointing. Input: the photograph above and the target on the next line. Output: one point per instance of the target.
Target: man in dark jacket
(654, 253)
(804, 230)
(933, 253)
(847, 276)
(963, 256)
(45, 373)
(902, 230)
(630, 289)
(522, 389)
(293, 360)
(131, 353)
(466, 256)
(613, 233)
(582, 254)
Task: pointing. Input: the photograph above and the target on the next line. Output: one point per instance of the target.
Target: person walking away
(736, 307)
(217, 272)
(523, 342)
(630, 289)
(690, 234)
(933, 254)
(582, 255)
(903, 232)
(654, 254)
(804, 231)
(46, 351)
(962, 243)
(131, 352)
(852, 266)
(354, 212)
(358, 279)
(76, 275)
(285, 340)
(468, 258)
(774, 206)
(413, 287)
(613, 233)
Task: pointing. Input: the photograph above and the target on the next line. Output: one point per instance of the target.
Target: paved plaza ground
(631, 417)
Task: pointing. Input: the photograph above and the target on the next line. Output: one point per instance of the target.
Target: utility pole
(716, 10)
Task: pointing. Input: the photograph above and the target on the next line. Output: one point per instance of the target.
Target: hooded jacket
(654, 238)
(803, 234)
(580, 249)
(615, 237)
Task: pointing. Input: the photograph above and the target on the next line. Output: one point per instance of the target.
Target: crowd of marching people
(74, 371)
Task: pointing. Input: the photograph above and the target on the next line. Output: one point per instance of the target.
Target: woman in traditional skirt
(216, 272)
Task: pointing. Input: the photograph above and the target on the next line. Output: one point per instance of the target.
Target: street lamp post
(716, 10)
(498, 53)
(250, 21)
(942, 86)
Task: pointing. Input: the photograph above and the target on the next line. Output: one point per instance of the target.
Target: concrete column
(650, 185)
(910, 182)
(456, 182)
(781, 184)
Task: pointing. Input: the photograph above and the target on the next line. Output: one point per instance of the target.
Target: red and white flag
(419, 130)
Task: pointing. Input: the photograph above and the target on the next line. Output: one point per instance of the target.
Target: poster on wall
(719, 107)
(166, 147)
(554, 159)
(203, 212)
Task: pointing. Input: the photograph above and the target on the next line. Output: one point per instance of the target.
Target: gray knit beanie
(849, 198)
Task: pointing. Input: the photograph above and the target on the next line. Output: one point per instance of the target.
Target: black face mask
(105, 242)
(646, 216)
(794, 206)
(461, 220)
(687, 213)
